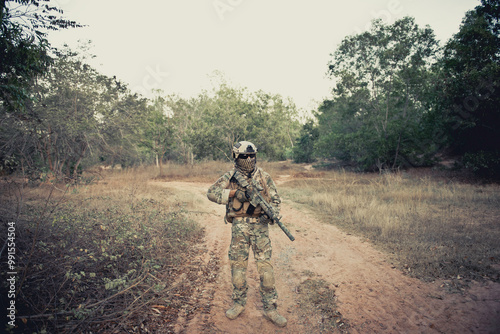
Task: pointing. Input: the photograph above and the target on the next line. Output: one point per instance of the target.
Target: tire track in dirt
(373, 296)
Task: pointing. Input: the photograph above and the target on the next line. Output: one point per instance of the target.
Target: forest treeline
(399, 99)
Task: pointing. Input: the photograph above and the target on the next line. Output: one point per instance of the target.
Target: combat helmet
(243, 148)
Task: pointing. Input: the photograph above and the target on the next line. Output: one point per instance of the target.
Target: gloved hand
(240, 196)
(264, 219)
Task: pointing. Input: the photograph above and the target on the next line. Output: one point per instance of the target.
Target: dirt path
(372, 296)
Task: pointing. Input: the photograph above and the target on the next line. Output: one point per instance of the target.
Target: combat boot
(235, 311)
(275, 318)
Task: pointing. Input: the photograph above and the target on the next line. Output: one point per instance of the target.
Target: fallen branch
(116, 294)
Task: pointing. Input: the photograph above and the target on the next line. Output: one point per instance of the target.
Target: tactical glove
(241, 196)
(264, 219)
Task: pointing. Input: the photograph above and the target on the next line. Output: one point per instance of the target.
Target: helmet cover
(245, 157)
(243, 147)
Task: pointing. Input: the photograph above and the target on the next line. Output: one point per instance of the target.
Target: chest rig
(237, 209)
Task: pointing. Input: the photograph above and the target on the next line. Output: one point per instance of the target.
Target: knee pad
(266, 273)
(239, 279)
(238, 273)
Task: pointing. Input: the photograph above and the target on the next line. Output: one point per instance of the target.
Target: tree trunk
(75, 170)
(160, 160)
(405, 108)
(397, 152)
(48, 146)
(160, 164)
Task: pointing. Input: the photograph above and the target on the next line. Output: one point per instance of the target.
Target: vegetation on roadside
(433, 227)
(101, 256)
(119, 252)
(207, 171)
(436, 224)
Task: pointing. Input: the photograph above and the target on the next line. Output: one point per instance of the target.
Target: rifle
(252, 192)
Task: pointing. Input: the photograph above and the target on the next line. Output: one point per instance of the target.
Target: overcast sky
(278, 46)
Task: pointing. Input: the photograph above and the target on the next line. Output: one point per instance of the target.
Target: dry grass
(199, 172)
(96, 256)
(434, 225)
(434, 229)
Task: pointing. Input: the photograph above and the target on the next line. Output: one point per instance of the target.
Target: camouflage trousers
(244, 236)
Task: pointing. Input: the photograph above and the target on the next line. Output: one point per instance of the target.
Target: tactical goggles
(245, 156)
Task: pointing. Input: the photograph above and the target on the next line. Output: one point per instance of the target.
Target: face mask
(246, 165)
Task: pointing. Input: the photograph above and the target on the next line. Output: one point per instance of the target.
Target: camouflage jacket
(219, 193)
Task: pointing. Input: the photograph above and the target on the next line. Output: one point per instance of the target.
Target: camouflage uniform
(248, 230)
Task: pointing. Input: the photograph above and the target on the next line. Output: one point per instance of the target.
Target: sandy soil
(372, 295)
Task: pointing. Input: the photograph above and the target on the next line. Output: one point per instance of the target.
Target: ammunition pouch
(244, 209)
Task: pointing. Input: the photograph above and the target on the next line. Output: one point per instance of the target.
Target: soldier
(249, 229)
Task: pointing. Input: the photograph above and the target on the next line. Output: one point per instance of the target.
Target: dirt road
(372, 295)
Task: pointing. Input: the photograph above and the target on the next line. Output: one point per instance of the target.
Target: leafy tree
(377, 114)
(470, 89)
(24, 55)
(304, 150)
(206, 127)
(230, 114)
(159, 129)
(275, 125)
(188, 126)
(68, 128)
(78, 115)
(122, 125)
(24, 49)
